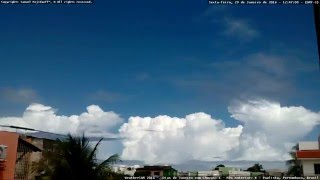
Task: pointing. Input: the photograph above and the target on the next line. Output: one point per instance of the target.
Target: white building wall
(308, 167)
(239, 173)
(234, 169)
(209, 173)
(309, 145)
(124, 169)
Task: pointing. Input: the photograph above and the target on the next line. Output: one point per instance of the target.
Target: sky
(165, 75)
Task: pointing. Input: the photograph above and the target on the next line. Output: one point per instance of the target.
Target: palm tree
(74, 159)
(295, 168)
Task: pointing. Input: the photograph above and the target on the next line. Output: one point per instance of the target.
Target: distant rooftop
(158, 167)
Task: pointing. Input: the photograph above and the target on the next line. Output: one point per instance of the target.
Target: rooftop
(155, 168)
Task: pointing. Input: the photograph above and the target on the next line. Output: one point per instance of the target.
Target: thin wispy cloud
(240, 28)
(234, 27)
(143, 76)
(211, 14)
(255, 75)
(214, 10)
(19, 95)
(106, 96)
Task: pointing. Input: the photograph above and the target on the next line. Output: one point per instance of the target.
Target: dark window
(157, 173)
(316, 168)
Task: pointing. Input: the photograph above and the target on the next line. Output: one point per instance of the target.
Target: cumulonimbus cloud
(270, 128)
(199, 136)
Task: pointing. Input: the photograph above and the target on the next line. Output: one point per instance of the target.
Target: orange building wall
(9, 139)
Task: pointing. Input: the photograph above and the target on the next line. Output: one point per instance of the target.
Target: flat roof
(48, 136)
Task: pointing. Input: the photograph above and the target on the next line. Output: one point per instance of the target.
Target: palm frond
(293, 164)
(74, 158)
(94, 150)
(112, 159)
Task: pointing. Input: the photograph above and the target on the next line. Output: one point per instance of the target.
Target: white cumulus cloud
(93, 122)
(165, 139)
(266, 131)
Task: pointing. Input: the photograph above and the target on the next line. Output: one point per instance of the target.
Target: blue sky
(148, 58)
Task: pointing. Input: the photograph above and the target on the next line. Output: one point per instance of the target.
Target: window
(316, 168)
(157, 173)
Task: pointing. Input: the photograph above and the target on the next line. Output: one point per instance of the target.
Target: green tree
(217, 167)
(256, 168)
(294, 167)
(74, 159)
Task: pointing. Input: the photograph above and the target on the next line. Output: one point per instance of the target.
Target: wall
(209, 173)
(239, 173)
(308, 166)
(34, 156)
(9, 139)
(308, 145)
(126, 170)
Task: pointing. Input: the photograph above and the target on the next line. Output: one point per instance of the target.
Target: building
(214, 173)
(187, 174)
(156, 171)
(276, 172)
(125, 170)
(44, 141)
(239, 173)
(309, 156)
(224, 171)
(221, 172)
(15, 156)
